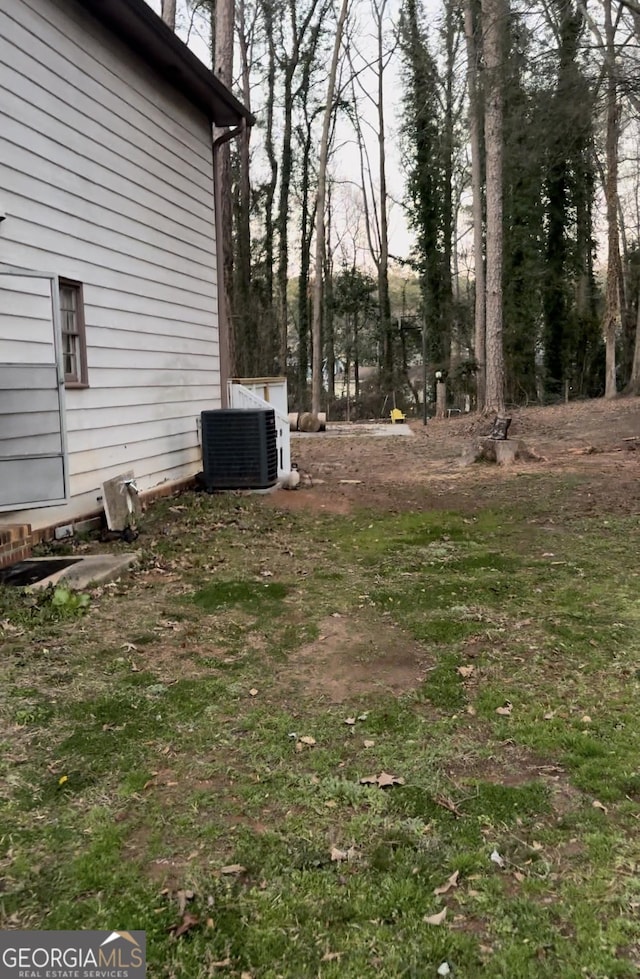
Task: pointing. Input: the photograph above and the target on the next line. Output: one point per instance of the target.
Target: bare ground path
(586, 438)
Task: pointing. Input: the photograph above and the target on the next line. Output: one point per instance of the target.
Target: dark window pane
(70, 350)
(72, 329)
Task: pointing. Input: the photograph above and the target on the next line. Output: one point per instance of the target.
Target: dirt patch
(516, 766)
(421, 471)
(318, 497)
(353, 657)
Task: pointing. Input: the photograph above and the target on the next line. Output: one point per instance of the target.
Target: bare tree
(475, 128)
(494, 14)
(376, 205)
(270, 338)
(245, 313)
(612, 312)
(298, 30)
(222, 36)
(316, 380)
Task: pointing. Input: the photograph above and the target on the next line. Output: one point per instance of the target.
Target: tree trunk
(329, 310)
(168, 13)
(282, 223)
(448, 230)
(441, 399)
(223, 68)
(303, 278)
(383, 261)
(612, 313)
(307, 218)
(494, 13)
(634, 380)
(246, 312)
(270, 338)
(316, 385)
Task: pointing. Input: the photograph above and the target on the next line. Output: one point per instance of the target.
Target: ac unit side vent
(239, 449)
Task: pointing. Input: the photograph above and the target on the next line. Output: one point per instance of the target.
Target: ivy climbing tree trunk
(494, 13)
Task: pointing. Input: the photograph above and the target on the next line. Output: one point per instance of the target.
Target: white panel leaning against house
(106, 176)
(248, 393)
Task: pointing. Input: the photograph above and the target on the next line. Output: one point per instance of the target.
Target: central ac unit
(239, 449)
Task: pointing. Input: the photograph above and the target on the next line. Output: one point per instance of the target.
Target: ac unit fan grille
(239, 449)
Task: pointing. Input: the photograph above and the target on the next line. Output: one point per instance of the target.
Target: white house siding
(106, 178)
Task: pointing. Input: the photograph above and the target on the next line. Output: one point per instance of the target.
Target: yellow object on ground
(397, 416)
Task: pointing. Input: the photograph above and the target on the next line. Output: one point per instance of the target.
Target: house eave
(138, 26)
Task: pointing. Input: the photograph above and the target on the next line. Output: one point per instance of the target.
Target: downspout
(224, 322)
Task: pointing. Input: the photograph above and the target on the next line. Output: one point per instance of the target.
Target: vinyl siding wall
(106, 178)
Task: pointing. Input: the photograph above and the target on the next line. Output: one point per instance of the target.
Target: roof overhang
(138, 26)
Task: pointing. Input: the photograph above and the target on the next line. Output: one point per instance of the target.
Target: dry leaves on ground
(435, 919)
(451, 882)
(182, 898)
(383, 780)
(337, 855)
(189, 921)
(505, 710)
(7, 626)
(305, 742)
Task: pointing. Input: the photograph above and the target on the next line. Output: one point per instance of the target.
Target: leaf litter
(451, 882)
(383, 780)
(189, 921)
(435, 919)
(338, 856)
(505, 710)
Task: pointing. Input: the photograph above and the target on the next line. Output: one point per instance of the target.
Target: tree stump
(502, 452)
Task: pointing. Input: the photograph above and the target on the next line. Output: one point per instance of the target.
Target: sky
(345, 161)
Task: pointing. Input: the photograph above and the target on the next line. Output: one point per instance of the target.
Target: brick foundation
(15, 544)
(16, 540)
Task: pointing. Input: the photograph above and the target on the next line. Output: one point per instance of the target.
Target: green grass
(153, 738)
